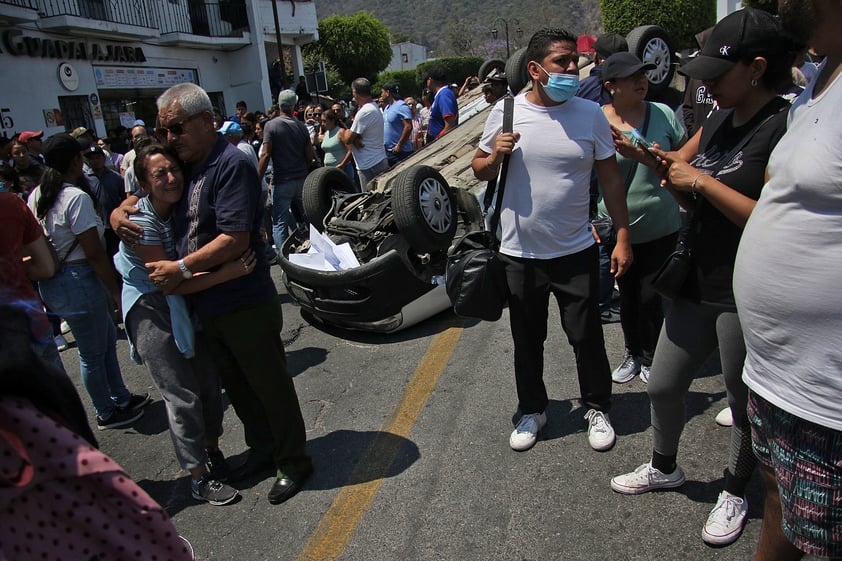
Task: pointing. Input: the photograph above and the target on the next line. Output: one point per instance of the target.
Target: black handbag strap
(740, 145)
(686, 240)
(508, 119)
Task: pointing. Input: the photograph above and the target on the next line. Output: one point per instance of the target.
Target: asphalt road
(409, 435)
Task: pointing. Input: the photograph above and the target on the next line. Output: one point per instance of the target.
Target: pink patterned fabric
(61, 498)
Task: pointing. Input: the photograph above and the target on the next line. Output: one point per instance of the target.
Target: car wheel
(424, 208)
(651, 43)
(488, 66)
(516, 74)
(319, 188)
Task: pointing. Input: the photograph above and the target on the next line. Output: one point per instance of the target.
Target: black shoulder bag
(475, 277)
(673, 274)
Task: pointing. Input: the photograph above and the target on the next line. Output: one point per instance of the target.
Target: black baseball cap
(609, 43)
(623, 65)
(744, 33)
(59, 151)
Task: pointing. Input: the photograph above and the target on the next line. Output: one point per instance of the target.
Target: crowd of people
(169, 239)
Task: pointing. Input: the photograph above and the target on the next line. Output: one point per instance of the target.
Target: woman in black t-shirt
(717, 175)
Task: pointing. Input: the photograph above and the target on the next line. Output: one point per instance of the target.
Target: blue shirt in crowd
(393, 118)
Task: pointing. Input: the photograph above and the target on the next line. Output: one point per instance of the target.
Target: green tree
(682, 19)
(357, 46)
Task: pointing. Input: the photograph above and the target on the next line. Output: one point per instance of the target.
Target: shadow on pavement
(300, 360)
(629, 413)
(348, 457)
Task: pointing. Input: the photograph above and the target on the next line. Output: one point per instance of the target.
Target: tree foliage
(407, 81)
(456, 68)
(357, 46)
(682, 19)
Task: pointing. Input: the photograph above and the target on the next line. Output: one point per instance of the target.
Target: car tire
(319, 188)
(424, 208)
(651, 43)
(516, 74)
(488, 66)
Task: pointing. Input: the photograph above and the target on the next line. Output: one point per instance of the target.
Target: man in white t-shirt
(547, 244)
(365, 137)
(786, 287)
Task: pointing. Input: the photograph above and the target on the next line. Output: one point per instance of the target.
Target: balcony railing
(214, 18)
(219, 18)
(127, 12)
(31, 4)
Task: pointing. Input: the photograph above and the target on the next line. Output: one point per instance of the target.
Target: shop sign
(15, 43)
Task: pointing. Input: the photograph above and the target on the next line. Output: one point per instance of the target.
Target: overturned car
(399, 232)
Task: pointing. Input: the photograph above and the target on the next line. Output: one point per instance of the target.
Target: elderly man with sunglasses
(217, 219)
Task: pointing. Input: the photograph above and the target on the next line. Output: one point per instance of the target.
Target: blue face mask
(560, 87)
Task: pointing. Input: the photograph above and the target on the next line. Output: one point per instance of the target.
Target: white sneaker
(65, 328)
(600, 432)
(526, 432)
(725, 522)
(644, 373)
(724, 418)
(646, 478)
(628, 369)
(61, 342)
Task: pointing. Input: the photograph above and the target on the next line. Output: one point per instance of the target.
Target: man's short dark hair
(539, 44)
(242, 104)
(437, 74)
(362, 86)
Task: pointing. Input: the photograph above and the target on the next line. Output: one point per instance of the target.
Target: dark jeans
(573, 280)
(394, 159)
(249, 353)
(641, 308)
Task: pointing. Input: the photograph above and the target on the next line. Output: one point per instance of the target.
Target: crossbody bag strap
(635, 163)
(508, 119)
(691, 226)
(69, 251)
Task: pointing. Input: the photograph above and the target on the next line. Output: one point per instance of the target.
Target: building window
(76, 111)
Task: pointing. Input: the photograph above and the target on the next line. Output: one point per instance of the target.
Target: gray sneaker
(628, 369)
(212, 491)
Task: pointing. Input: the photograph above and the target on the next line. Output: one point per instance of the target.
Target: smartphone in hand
(641, 141)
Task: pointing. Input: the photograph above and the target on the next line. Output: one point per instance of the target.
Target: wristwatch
(185, 272)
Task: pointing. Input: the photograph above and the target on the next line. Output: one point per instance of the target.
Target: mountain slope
(450, 28)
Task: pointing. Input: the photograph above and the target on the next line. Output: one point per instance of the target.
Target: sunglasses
(176, 129)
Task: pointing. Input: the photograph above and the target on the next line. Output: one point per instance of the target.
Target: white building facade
(102, 63)
(406, 56)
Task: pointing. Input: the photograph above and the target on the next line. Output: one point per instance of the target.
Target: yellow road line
(340, 521)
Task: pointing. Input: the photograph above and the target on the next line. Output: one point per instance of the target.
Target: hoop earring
(754, 83)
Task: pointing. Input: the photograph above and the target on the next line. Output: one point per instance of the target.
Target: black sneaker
(136, 402)
(119, 418)
(212, 491)
(218, 465)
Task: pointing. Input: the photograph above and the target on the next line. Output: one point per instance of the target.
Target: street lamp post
(515, 23)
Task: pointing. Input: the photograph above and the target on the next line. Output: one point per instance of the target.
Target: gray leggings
(691, 332)
(190, 388)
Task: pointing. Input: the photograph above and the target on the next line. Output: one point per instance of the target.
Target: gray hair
(361, 86)
(192, 98)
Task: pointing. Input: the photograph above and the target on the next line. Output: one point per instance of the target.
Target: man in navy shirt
(217, 219)
(591, 87)
(444, 113)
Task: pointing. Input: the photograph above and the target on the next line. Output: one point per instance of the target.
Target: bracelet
(695, 179)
